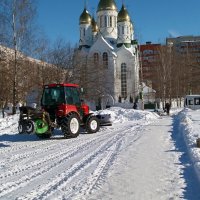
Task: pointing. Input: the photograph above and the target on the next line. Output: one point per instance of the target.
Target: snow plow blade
(105, 119)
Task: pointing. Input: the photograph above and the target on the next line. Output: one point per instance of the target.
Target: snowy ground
(142, 156)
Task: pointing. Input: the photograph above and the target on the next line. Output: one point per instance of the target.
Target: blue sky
(153, 20)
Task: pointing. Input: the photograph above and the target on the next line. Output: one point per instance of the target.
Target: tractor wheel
(30, 127)
(71, 126)
(21, 128)
(92, 124)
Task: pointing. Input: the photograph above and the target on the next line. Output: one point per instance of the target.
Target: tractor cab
(60, 99)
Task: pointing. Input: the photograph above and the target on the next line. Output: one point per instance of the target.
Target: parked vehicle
(62, 108)
(192, 101)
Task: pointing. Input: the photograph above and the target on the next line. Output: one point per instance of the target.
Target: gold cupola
(106, 5)
(85, 17)
(123, 15)
(94, 25)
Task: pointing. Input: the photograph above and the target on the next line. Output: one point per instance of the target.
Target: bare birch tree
(17, 19)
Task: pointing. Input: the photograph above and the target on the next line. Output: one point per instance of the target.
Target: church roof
(85, 17)
(129, 50)
(123, 15)
(106, 5)
(101, 45)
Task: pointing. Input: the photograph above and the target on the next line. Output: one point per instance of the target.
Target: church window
(105, 21)
(123, 80)
(84, 31)
(105, 60)
(96, 58)
(122, 29)
(118, 30)
(111, 21)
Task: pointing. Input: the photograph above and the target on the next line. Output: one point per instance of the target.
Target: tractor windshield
(72, 95)
(53, 96)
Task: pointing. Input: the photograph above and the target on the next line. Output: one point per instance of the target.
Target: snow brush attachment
(41, 126)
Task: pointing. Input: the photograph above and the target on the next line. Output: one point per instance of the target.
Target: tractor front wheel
(71, 126)
(92, 124)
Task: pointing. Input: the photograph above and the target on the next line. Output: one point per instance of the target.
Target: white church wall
(85, 34)
(125, 56)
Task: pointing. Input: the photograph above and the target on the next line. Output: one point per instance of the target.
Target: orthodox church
(109, 40)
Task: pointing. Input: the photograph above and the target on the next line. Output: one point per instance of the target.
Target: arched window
(105, 60)
(105, 20)
(123, 30)
(123, 80)
(111, 18)
(96, 58)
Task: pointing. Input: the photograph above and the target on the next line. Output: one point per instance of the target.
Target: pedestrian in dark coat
(135, 105)
(167, 107)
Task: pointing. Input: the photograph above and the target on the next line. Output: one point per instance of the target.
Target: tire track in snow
(34, 150)
(97, 176)
(84, 189)
(37, 143)
(103, 156)
(60, 156)
(44, 147)
(23, 147)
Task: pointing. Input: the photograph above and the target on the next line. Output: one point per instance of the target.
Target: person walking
(167, 107)
(135, 105)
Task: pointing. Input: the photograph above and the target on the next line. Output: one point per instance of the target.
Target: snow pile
(189, 126)
(9, 121)
(121, 115)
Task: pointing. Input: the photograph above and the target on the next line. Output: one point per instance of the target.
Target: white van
(192, 101)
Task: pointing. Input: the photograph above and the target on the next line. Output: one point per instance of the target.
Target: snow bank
(120, 115)
(9, 121)
(189, 126)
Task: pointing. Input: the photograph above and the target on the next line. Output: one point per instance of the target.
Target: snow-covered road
(129, 160)
(156, 172)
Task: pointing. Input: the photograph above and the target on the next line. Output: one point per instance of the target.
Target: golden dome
(94, 26)
(123, 15)
(85, 17)
(107, 5)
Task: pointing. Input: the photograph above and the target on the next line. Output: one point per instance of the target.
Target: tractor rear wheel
(30, 127)
(21, 128)
(26, 126)
(92, 124)
(71, 125)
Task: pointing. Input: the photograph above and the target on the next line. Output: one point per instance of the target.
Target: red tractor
(62, 107)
